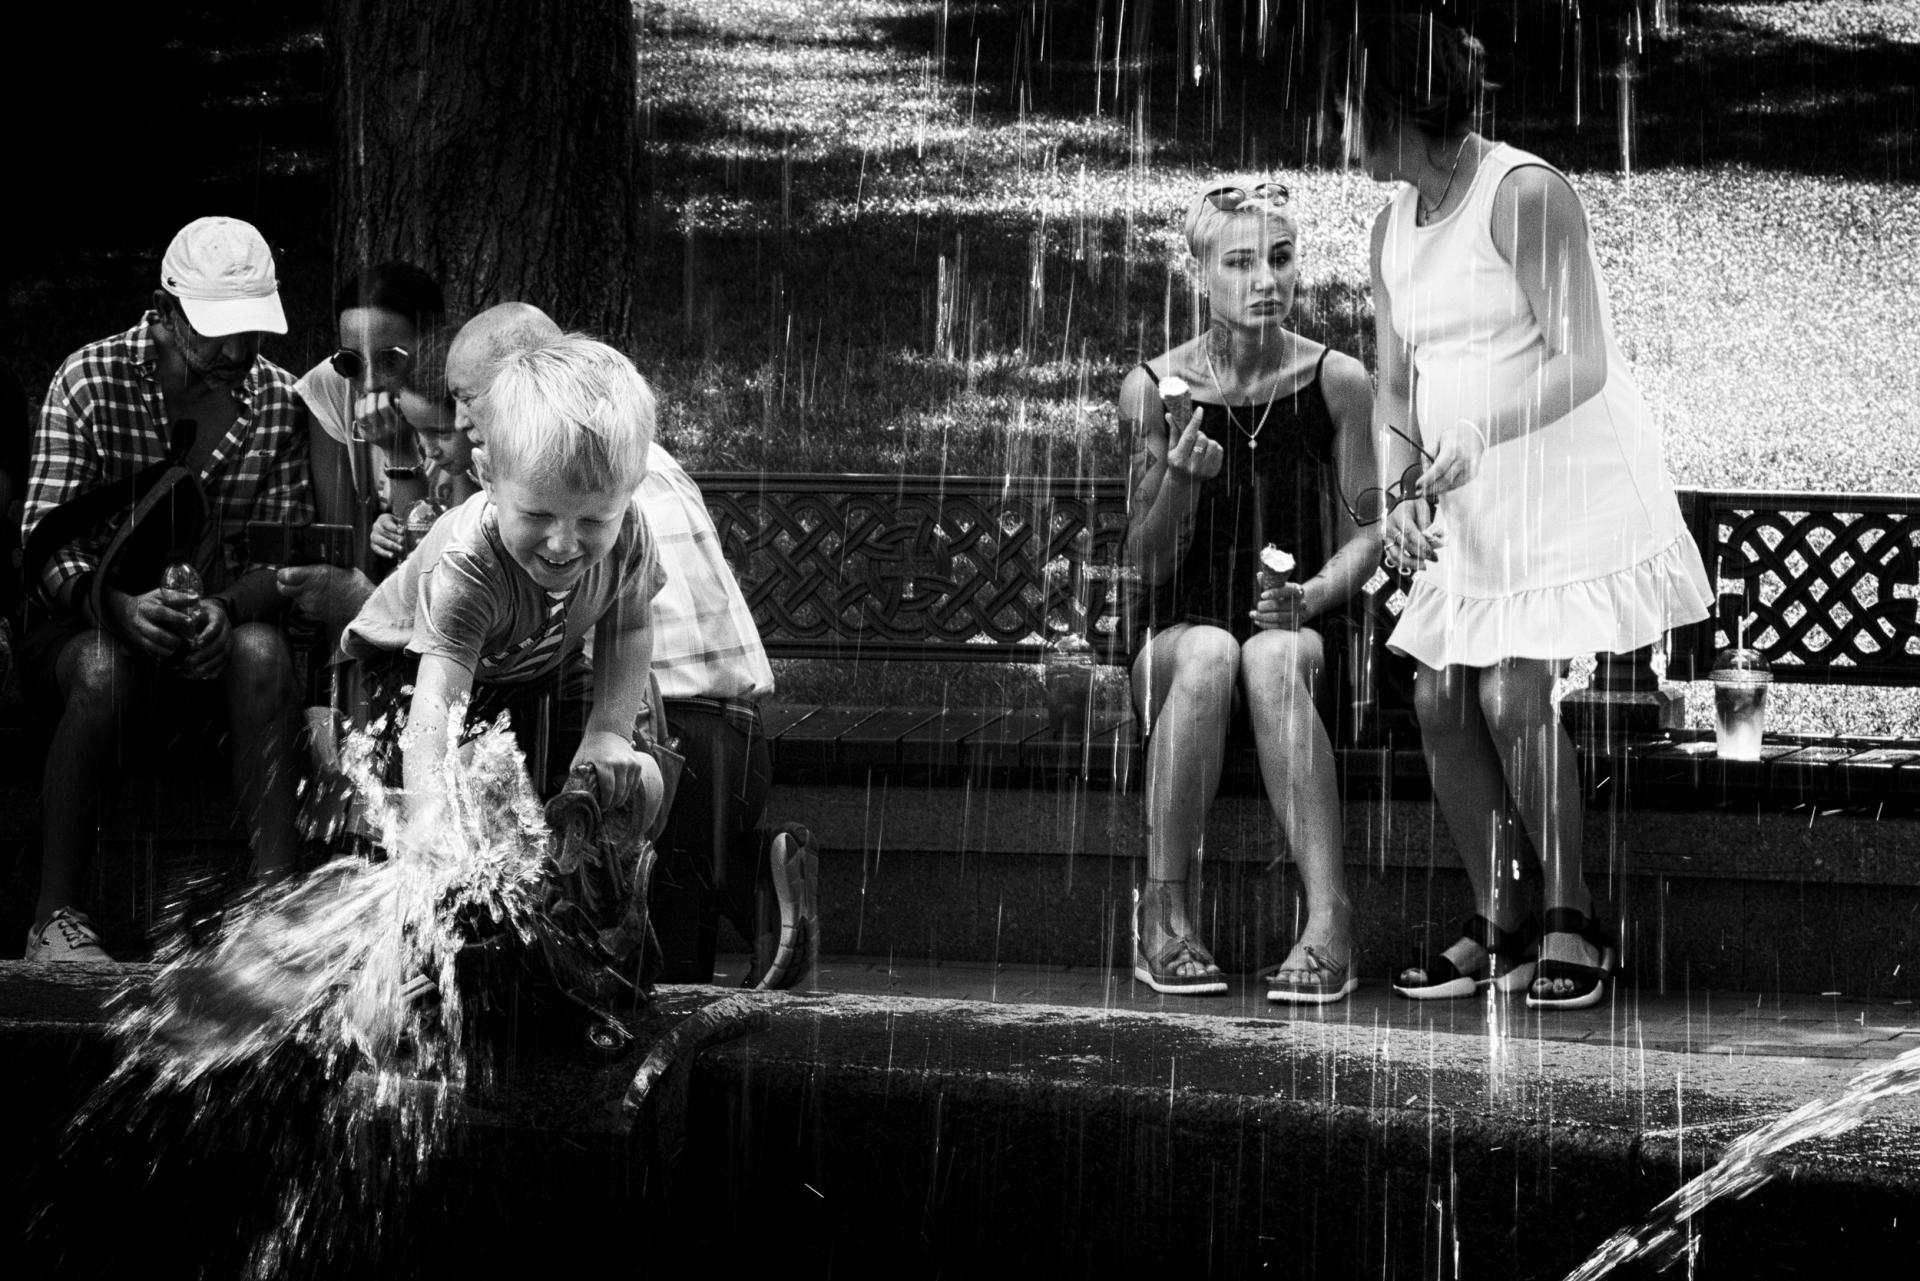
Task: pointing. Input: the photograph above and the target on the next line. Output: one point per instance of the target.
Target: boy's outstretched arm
(622, 658)
(437, 686)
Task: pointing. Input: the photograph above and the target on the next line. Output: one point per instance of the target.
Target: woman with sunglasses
(1536, 507)
(365, 457)
(1274, 418)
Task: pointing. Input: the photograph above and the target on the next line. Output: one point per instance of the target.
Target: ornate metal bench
(866, 568)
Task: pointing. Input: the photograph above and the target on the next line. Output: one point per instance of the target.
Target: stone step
(919, 1135)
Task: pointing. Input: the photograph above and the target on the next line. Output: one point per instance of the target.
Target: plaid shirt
(705, 643)
(105, 419)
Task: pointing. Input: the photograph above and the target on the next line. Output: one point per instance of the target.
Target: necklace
(1253, 434)
(1432, 209)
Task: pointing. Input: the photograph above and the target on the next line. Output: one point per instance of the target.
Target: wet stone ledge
(855, 1133)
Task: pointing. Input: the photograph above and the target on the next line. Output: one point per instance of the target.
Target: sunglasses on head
(388, 362)
(1229, 198)
(1371, 505)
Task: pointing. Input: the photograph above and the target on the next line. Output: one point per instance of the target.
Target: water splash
(1747, 1163)
(323, 1037)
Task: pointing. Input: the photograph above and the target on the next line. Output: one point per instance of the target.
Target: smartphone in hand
(270, 543)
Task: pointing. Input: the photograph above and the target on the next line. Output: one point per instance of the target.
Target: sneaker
(67, 938)
(784, 953)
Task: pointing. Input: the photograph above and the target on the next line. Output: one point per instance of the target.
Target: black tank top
(1280, 493)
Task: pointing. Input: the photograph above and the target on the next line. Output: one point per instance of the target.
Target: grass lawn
(931, 235)
(887, 262)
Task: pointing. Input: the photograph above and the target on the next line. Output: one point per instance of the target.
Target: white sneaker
(67, 938)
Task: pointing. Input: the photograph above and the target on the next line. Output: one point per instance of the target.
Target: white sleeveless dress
(1569, 541)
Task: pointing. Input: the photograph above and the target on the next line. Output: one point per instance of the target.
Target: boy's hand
(622, 770)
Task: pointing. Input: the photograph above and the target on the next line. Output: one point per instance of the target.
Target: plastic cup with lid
(1740, 681)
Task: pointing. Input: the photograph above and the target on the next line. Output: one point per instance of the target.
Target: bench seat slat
(1091, 754)
(777, 718)
(997, 745)
(1878, 775)
(937, 742)
(875, 741)
(1806, 774)
(815, 741)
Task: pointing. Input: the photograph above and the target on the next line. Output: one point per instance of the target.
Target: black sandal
(1589, 981)
(1510, 957)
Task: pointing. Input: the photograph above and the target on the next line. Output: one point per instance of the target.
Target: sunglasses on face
(1227, 199)
(1371, 505)
(388, 362)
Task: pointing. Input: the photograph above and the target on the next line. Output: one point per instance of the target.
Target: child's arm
(622, 657)
(440, 683)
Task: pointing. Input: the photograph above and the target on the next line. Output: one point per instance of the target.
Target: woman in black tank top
(1253, 456)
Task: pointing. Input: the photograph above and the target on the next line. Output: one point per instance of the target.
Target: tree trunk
(491, 144)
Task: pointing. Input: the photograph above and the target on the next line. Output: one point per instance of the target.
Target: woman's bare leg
(1183, 690)
(1282, 670)
(1470, 786)
(1516, 699)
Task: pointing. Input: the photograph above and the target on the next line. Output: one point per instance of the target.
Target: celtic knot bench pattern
(922, 567)
(1827, 586)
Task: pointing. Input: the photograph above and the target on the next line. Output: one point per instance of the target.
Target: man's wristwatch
(402, 473)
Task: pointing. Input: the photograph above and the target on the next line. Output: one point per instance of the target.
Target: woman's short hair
(398, 287)
(1206, 219)
(1417, 70)
(573, 411)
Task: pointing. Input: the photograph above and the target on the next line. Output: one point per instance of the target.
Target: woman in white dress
(1530, 499)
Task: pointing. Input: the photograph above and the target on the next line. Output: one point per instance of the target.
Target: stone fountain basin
(920, 1136)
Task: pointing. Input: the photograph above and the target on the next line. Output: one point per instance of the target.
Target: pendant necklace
(1447, 190)
(1253, 435)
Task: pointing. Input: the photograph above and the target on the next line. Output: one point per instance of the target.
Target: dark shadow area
(171, 113)
(1711, 89)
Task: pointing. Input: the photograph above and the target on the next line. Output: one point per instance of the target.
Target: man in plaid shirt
(101, 649)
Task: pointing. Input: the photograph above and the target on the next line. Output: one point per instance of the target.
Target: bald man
(480, 346)
(333, 595)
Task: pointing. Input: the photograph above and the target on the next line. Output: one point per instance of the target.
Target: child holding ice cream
(1239, 439)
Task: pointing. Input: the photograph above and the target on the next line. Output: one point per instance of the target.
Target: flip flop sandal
(1589, 981)
(1510, 964)
(1331, 982)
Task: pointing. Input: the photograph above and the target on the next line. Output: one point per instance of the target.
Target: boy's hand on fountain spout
(623, 770)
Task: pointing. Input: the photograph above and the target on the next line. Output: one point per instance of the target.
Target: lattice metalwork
(923, 566)
(1825, 585)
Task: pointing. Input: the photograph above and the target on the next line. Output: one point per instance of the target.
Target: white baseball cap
(222, 272)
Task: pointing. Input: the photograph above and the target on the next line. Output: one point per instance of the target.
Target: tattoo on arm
(1144, 490)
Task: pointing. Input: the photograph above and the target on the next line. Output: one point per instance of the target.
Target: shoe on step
(1161, 970)
(68, 938)
(1325, 981)
(787, 951)
(1507, 967)
(1568, 985)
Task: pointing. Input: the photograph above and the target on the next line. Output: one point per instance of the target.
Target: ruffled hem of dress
(1615, 613)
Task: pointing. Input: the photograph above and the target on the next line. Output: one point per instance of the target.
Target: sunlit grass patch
(901, 266)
